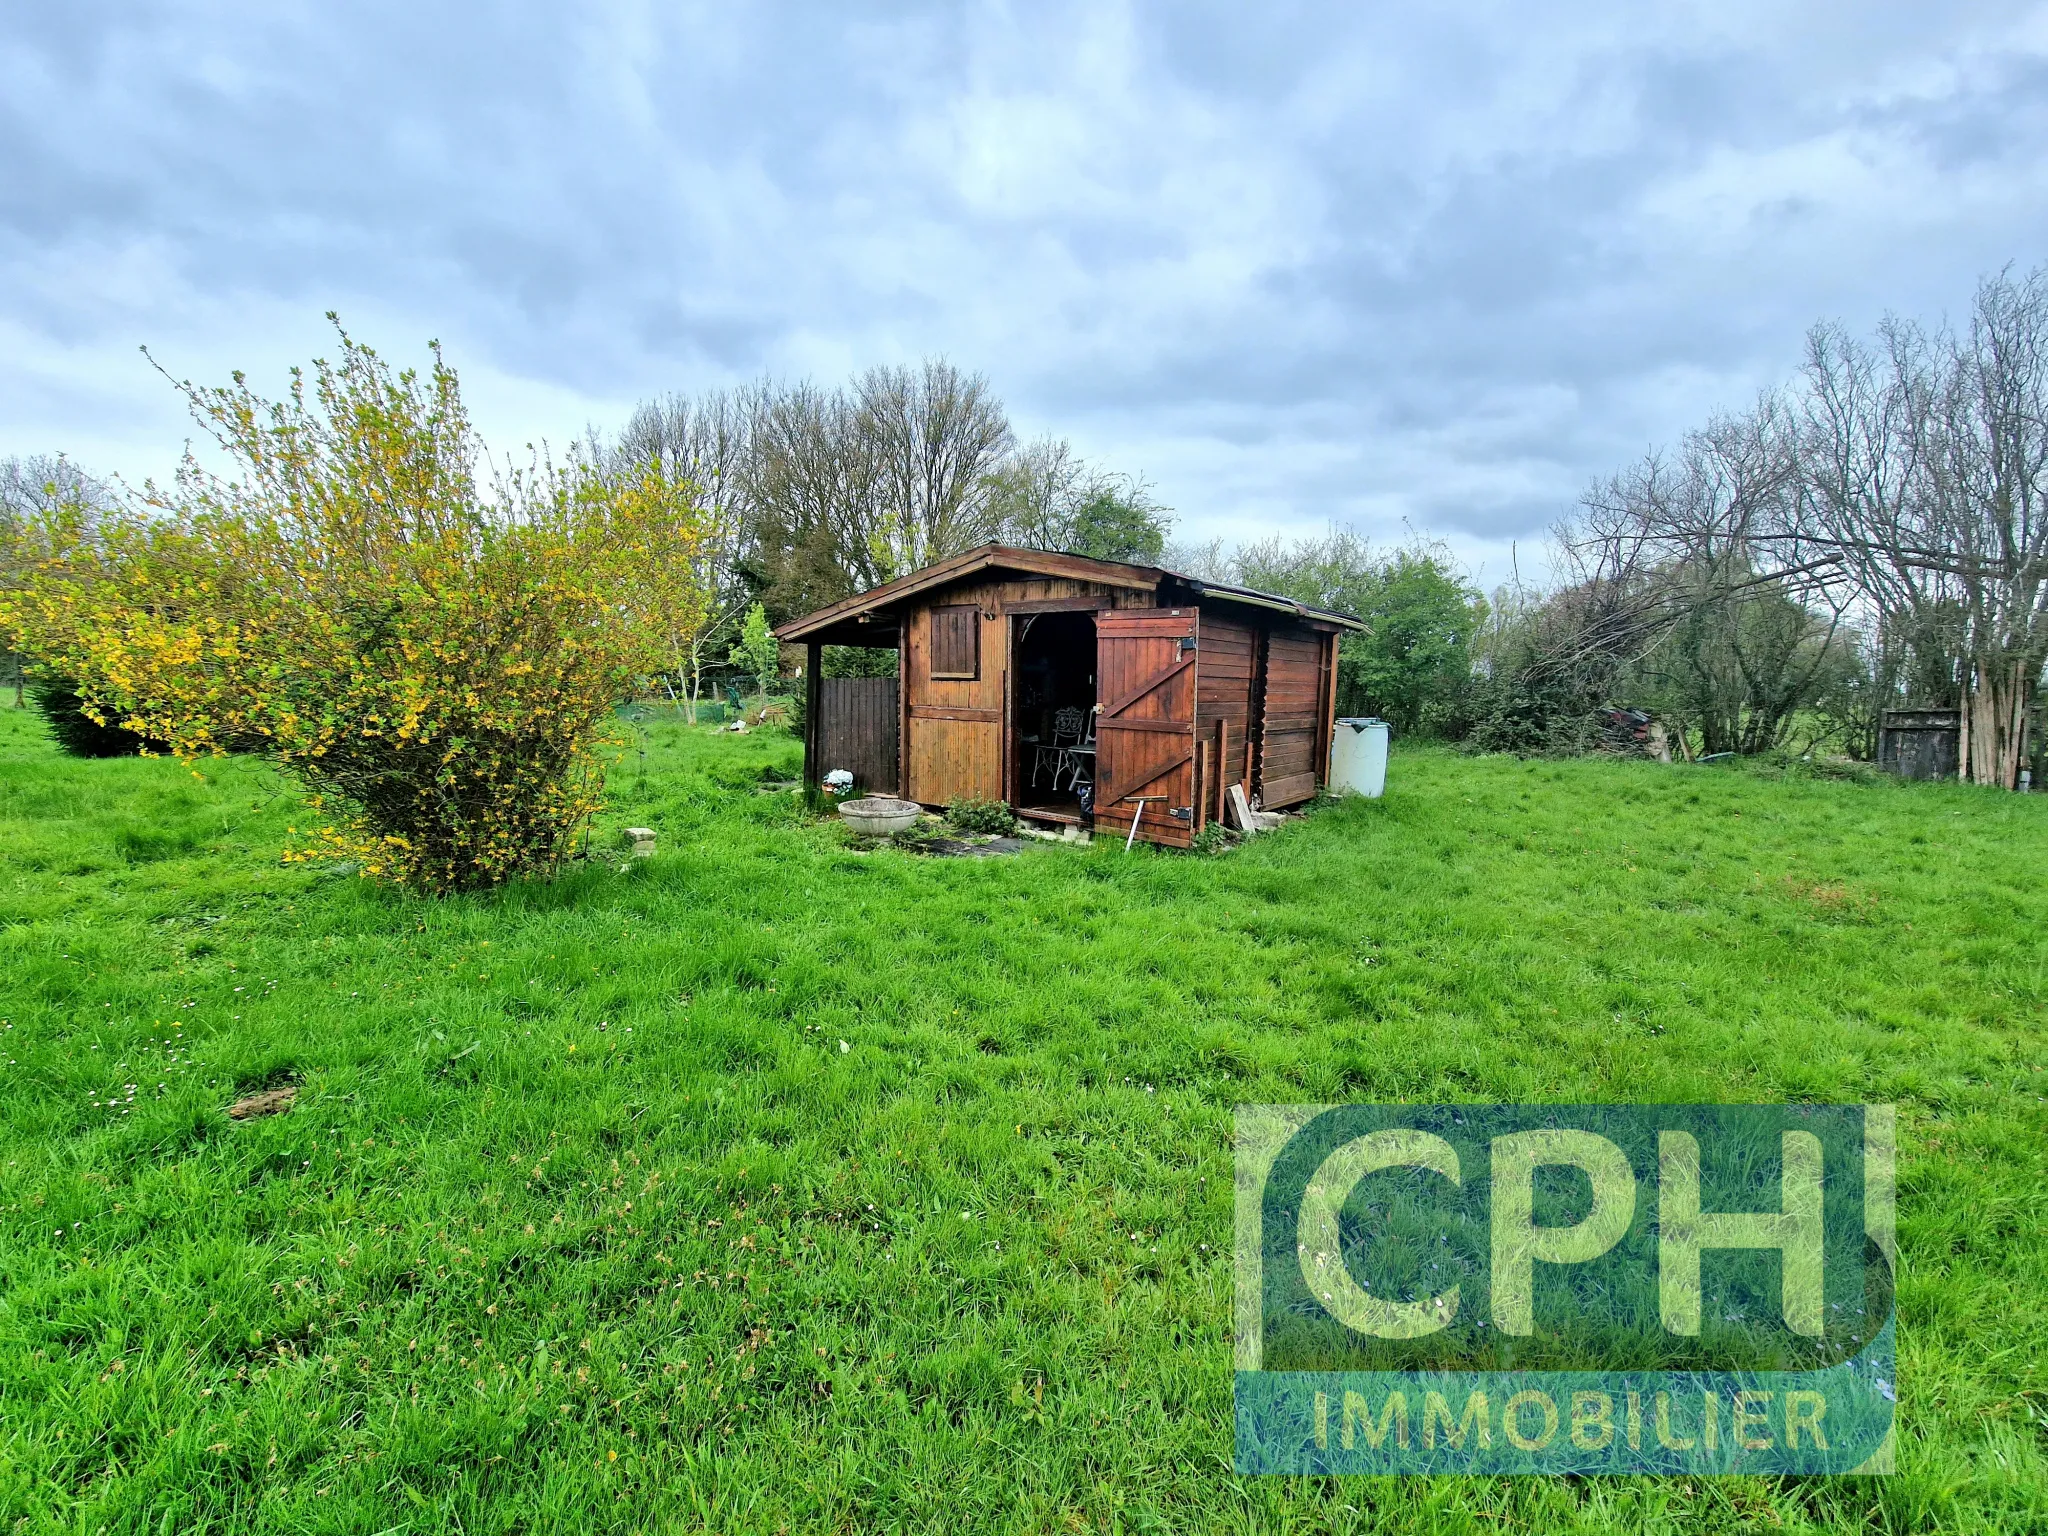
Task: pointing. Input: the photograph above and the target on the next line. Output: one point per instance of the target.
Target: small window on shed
(956, 641)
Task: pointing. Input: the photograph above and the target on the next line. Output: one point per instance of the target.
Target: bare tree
(855, 487)
(1732, 625)
(1925, 480)
(1046, 496)
(825, 492)
(1900, 489)
(1033, 495)
(709, 442)
(1206, 559)
(813, 483)
(45, 483)
(933, 436)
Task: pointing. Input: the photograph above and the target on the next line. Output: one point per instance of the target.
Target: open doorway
(1052, 726)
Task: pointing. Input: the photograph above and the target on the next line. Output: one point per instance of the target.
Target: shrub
(438, 666)
(971, 815)
(1531, 715)
(78, 733)
(857, 661)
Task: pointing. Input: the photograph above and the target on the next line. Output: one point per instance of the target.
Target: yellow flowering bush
(437, 663)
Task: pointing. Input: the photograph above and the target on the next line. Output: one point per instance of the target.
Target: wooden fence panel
(857, 720)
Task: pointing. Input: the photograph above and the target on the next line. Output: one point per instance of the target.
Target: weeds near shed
(990, 816)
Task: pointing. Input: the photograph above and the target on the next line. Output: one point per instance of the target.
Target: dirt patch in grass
(1833, 899)
(271, 1101)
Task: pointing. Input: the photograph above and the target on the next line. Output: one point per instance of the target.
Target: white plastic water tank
(1358, 759)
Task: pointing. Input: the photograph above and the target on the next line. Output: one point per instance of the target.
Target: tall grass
(767, 1184)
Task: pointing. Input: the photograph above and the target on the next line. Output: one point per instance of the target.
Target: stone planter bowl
(880, 815)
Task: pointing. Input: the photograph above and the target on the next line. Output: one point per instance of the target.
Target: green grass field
(773, 1185)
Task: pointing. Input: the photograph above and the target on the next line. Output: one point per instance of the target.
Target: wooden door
(1145, 723)
(1295, 709)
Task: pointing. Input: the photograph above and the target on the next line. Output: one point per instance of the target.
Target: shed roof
(868, 617)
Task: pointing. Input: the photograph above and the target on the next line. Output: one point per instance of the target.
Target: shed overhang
(1251, 597)
(868, 617)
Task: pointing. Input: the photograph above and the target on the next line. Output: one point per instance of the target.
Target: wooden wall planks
(1263, 692)
(856, 730)
(953, 728)
(1145, 732)
(1227, 657)
(1293, 711)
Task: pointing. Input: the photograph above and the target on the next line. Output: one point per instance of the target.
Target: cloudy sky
(1420, 268)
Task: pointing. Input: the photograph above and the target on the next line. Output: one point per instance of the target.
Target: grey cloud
(1307, 262)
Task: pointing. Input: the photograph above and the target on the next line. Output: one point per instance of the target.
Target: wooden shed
(1185, 687)
(1920, 743)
